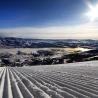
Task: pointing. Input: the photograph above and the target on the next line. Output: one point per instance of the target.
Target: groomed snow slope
(76, 80)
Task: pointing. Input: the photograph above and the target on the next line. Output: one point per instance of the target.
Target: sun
(93, 12)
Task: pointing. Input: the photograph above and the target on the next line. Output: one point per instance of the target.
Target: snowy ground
(76, 80)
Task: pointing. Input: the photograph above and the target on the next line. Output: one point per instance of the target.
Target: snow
(74, 80)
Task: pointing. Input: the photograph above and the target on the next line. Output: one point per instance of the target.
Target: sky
(47, 19)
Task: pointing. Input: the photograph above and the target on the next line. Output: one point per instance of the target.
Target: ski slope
(75, 80)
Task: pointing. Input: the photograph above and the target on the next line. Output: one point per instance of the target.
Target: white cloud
(89, 31)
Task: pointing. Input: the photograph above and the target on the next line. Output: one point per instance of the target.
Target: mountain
(9, 42)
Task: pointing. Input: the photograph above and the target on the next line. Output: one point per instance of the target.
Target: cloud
(85, 31)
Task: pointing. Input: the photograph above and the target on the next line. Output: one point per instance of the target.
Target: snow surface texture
(75, 80)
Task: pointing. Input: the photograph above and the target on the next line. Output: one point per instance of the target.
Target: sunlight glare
(93, 12)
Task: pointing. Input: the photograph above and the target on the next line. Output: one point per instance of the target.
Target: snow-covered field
(76, 80)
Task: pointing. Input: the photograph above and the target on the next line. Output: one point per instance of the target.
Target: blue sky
(44, 18)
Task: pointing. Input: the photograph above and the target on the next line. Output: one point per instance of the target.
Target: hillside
(10, 42)
(74, 80)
